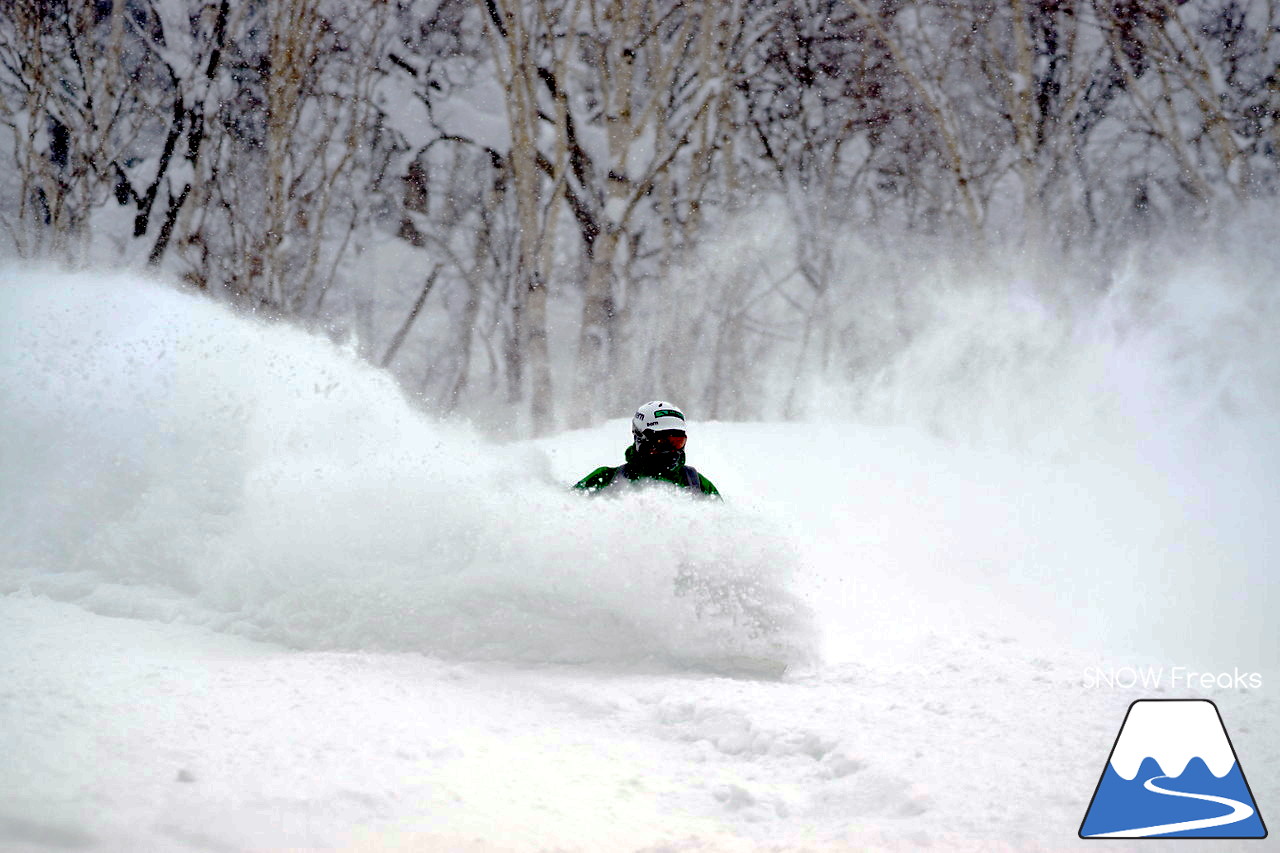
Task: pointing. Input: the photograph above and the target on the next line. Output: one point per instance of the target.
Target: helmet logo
(656, 416)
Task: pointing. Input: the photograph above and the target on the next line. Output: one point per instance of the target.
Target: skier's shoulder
(708, 487)
(597, 479)
(704, 485)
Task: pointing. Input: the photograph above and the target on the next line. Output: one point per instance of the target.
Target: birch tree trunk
(658, 71)
(293, 32)
(529, 39)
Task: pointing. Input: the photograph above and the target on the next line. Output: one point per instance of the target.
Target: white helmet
(657, 416)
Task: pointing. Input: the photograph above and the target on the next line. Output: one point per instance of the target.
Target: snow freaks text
(1174, 678)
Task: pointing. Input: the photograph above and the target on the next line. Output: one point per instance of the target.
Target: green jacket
(602, 478)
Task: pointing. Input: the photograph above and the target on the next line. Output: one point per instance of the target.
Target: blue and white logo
(1173, 773)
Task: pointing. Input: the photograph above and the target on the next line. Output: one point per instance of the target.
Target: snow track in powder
(133, 734)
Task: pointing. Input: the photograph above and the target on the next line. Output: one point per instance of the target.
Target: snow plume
(165, 458)
(1060, 363)
(1001, 442)
(1117, 436)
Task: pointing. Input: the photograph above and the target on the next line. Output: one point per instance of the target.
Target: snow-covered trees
(73, 119)
(548, 173)
(238, 138)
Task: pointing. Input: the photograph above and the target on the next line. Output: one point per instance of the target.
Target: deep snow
(350, 626)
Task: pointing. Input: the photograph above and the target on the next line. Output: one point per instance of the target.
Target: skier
(656, 453)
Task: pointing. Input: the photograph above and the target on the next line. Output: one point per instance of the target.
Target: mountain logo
(1173, 773)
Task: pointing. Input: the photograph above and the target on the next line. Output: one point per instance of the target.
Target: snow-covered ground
(253, 600)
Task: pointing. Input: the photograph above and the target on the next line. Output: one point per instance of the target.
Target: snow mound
(168, 459)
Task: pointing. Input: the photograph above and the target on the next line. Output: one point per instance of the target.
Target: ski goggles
(666, 440)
